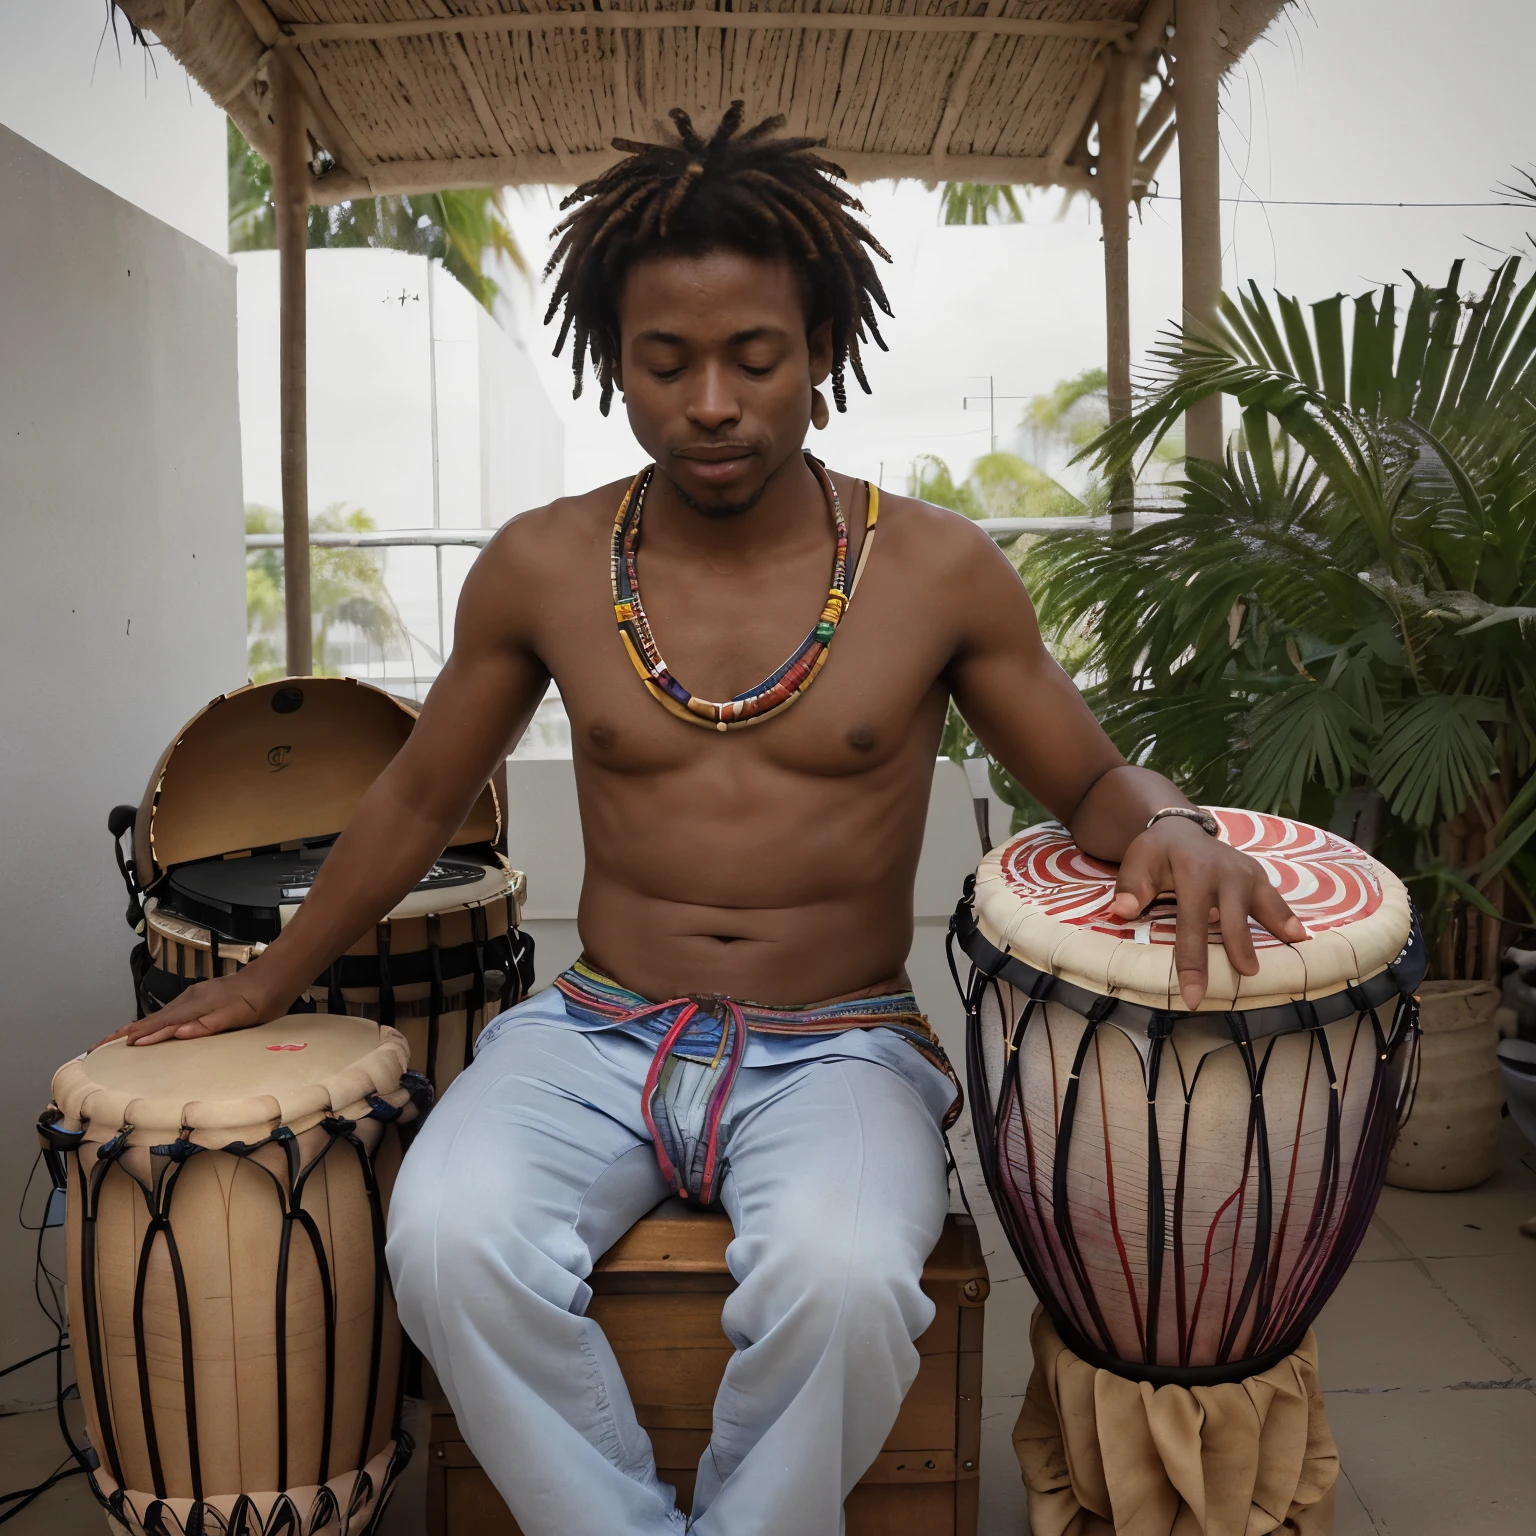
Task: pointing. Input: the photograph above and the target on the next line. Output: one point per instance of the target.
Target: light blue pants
(536, 1161)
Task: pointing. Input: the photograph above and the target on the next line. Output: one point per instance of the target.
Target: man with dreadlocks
(739, 1027)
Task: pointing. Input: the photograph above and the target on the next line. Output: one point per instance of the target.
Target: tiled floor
(1428, 1352)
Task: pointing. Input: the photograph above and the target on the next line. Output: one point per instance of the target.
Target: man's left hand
(1211, 883)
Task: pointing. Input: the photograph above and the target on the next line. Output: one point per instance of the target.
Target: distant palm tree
(457, 228)
(346, 588)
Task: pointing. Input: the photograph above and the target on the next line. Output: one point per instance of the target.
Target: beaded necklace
(782, 687)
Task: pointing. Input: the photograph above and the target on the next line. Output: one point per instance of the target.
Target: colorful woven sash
(688, 1086)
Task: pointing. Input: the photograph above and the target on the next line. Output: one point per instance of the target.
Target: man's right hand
(208, 1008)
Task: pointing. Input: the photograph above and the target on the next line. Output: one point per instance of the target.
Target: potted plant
(1338, 622)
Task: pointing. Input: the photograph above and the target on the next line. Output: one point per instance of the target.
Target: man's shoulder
(942, 540)
(560, 531)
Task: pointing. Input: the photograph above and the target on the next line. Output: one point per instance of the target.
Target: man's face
(717, 370)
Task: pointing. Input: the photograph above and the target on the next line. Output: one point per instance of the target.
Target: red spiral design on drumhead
(1327, 882)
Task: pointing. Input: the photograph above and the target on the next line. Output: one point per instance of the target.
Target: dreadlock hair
(749, 192)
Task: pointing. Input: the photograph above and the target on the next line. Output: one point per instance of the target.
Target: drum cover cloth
(230, 1315)
(1103, 1455)
(1185, 1190)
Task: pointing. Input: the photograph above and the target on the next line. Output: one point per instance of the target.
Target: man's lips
(715, 463)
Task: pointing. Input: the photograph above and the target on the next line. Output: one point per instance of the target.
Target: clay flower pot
(1451, 1138)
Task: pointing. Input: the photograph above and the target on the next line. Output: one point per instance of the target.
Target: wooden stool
(657, 1294)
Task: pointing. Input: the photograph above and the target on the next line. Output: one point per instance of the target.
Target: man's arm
(481, 702)
(1028, 714)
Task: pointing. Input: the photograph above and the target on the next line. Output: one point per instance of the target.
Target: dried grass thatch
(418, 95)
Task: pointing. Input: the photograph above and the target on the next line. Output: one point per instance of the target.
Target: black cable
(52, 1349)
(28, 1495)
(52, 1307)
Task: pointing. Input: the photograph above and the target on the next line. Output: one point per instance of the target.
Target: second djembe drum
(230, 1315)
(237, 819)
(1184, 1190)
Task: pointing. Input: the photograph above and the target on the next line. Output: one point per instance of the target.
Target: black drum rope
(435, 995)
(1255, 1152)
(386, 985)
(1157, 1236)
(475, 1016)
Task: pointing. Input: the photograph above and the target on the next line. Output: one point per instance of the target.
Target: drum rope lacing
(167, 1160)
(1278, 1319)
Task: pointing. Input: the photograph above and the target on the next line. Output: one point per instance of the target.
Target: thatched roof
(417, 95)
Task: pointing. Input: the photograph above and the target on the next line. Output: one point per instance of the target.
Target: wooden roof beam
(329, 127)
(302, 33)
(407, 176)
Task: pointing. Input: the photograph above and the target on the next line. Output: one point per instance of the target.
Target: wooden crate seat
(657, 1294)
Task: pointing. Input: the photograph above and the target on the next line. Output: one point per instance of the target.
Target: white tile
(1350, 1516)
(1498, 1296)
(1388, 1326)
(1445, 1463)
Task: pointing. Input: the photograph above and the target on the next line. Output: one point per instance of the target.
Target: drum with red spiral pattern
(1185, 1189)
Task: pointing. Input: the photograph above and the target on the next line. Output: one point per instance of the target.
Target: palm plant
(346, 588)
(973, 202)
(1338, 621)
(457, 228)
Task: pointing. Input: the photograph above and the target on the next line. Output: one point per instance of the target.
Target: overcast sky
(1345, 100)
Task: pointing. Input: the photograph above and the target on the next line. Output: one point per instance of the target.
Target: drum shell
(222, 1351)
(1197, 1226)
(180, 953)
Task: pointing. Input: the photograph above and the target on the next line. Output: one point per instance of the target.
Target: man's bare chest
(880, 685)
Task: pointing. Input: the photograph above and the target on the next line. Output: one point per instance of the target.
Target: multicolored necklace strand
(779, 690)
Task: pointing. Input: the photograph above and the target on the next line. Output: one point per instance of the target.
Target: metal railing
(477, 538)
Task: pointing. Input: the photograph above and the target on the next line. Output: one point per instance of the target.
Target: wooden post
(290, 195)
(1117, 150)
(1197, 70)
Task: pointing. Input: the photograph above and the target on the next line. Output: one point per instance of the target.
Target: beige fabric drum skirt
(1104, 1456)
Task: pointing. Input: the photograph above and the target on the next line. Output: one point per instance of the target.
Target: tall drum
(1184, 1190)
(238, 817)
(234, 1335)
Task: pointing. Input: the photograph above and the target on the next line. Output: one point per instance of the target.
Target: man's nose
(714, 403)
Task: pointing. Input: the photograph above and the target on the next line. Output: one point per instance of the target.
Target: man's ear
(818, 342)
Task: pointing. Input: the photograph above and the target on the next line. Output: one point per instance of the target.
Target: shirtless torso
(773, 863)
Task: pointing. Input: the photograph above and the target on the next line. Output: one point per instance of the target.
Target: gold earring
(820, 415)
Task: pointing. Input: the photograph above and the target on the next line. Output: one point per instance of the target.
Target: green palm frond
(969, 202)
(1435, 755)
(1344, 606)
(1311, 733)
(459, 228)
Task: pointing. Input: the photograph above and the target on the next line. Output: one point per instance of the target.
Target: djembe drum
(237, 819)
(233, 1330)
(1184, 1190)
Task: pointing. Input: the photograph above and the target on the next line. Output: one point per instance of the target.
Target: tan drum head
(1041, 898)
(238, 1086)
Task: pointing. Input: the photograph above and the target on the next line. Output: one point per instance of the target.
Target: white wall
(122, 608)
(128, 117)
